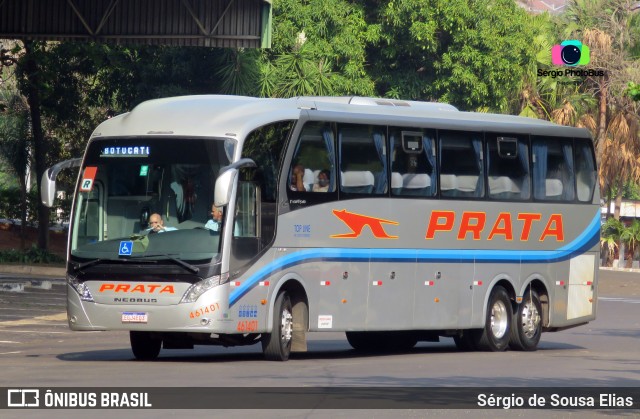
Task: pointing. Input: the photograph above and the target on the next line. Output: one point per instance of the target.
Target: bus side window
(413, 162)
(363, 159)
(313, 164)
(461, 164)
(508, 167)
(254, 218)
(553, 169)
(585, 171)
(247, 204)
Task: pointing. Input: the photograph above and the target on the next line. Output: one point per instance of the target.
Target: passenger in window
(156, 224)
(412, 163)
(322, 185)
(215, 223)
(297, 179)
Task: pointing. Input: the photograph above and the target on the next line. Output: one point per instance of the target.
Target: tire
(464, 341)
(144, 346)
(494, 337)
(526, 327)
(276, 345)
(396, 341)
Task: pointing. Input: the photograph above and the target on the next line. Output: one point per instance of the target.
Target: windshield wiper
(92, 262)
(188, 266)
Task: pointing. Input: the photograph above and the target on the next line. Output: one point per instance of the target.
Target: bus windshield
(149, 197)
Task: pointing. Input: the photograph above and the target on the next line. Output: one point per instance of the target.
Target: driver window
(313, 167)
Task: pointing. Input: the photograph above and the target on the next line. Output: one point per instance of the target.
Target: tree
(630, 236)
(319, 48)
(470, 54)
(610, 234)
(610, 31)
(71, 87)
(633, 91)
(14, 146)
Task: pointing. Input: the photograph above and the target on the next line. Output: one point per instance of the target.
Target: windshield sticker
(87, 178)
(133, 151)
(126, 247)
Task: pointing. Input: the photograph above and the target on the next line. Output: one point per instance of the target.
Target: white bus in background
(409, 221)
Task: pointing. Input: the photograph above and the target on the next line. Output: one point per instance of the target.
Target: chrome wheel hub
(286, 328)
(499, 319)
(530, 319)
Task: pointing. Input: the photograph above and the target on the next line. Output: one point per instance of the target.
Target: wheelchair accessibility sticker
(125, 248)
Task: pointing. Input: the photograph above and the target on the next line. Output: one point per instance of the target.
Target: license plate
(134, 317)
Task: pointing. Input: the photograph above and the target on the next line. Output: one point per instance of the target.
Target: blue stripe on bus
(585, 241)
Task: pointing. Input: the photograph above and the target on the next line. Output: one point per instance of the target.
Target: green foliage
(319, 48)
(630, 191)
(34, 255)
(14, 133)
(610, 233)
(631, 237)
(470, 54)
(633, 91)
(238, 72)
(11, 205)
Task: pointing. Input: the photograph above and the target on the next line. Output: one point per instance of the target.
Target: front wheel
(494, 337)
(527, 324)
(144, 346)
(276, 345)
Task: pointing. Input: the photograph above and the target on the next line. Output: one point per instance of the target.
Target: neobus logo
(472, 224)
(141, 288)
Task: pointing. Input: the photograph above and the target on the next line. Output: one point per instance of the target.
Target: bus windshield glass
(149, 197)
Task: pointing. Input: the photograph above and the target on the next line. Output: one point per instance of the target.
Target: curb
(51, 271)
(630, 270)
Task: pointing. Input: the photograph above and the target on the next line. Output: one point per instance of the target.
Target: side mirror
(48, 184)
(224, 187)
(226, 180)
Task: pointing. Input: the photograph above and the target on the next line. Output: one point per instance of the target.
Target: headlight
(196, 290)
(81, 289)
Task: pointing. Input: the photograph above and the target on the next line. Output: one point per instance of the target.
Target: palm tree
(606, 26)
(630, 236)
(610, 233)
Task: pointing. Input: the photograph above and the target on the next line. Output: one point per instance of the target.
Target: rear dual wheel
(494, 337)
(527, 324)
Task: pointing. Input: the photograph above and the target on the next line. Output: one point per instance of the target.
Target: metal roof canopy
(207, 23)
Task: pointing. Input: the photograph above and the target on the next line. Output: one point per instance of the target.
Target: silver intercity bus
(392, 221)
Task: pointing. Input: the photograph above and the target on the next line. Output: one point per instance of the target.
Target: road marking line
(8, 341)
(36, 320)
(620, 300)
(8, 353)
(33, 331)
